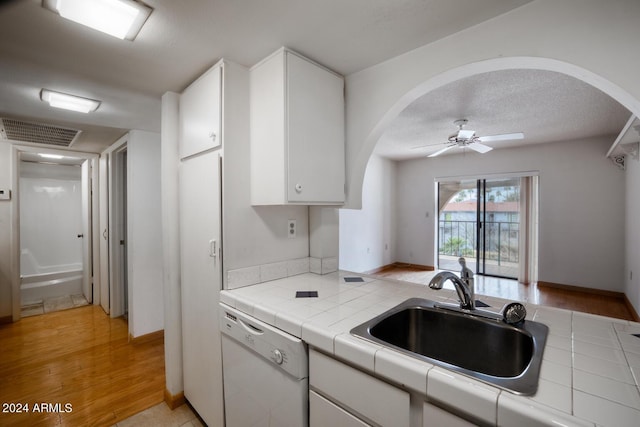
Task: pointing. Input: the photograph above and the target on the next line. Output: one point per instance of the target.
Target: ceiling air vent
(38, 133)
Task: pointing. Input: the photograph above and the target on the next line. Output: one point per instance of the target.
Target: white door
(87, 288)
(200, 199)
(104, 233)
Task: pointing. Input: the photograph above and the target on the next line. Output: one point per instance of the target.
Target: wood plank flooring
(79, 357)
(603, 305)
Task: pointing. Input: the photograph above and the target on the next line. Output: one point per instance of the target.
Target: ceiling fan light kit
(468, 139)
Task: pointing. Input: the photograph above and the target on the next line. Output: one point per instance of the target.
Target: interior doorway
(118, 268)
(53, 241)
(492, 222)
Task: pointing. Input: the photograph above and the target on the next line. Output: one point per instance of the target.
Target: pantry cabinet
(200, 114)
(201, 215)
(297, 132)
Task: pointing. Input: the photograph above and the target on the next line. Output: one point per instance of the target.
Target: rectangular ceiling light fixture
(51, 156)
(69, 102)
(119, 18)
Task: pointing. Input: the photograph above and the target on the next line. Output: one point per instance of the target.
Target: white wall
(581, 214)
(144, 233)
(368, 236)
(253, 235)
(587, 39)
(6, 254)
(632, 233)
(171, 245)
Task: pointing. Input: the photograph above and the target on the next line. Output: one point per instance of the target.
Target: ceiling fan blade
(480, 148)
(503, 137)
(437, 153)
(425, 146)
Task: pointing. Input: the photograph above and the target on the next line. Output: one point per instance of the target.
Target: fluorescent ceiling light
(119, 18)
(69, 102)
(51, 156)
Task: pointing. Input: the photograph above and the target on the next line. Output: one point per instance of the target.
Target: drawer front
(437, 417)
(363, 394)
(325, 413)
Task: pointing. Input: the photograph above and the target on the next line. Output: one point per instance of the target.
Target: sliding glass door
(499, 227)
(480, 220)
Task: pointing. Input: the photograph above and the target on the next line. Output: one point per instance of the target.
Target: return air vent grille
(37, 133)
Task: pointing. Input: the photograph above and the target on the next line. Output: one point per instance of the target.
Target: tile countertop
(589, 376)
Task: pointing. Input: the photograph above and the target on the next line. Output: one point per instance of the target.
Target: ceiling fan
(468, 139)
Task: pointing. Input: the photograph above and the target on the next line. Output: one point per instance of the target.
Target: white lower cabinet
(358, 394)
(340, 395)
(322, 412)
(433, 416)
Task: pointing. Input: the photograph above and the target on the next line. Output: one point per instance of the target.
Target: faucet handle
(514, 313)
(465, 273)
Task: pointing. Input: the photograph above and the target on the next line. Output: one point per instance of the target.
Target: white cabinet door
(201, 284)
(297, 132)
(315, 108)
(200, 114)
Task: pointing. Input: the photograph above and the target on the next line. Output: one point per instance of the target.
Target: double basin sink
(478, 345)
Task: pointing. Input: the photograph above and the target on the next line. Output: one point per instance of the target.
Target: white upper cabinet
(200, 114)
(297, 132)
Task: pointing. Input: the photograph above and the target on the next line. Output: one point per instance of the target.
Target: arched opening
(562, 262)
(359, 165)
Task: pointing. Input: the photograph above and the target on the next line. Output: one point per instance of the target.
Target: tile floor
(49, 305)
(161, 416)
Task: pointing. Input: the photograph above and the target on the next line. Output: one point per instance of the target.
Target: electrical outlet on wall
(291, 229)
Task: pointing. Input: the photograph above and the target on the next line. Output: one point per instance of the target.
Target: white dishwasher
(265, 373)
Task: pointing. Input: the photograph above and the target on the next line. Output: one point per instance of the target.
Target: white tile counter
(589, 374)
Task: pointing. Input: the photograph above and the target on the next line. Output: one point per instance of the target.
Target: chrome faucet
(464, 295)
(463, 285)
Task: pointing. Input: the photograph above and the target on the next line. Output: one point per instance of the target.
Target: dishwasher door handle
(250, 328)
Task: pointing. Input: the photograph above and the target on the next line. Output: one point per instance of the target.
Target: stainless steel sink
(475, 344)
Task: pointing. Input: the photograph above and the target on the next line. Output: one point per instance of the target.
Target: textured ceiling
(181, 39)
(546, 106)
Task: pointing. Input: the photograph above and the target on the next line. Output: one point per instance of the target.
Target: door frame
(87, 240)
(481, 227)
(111, 218)
(93, 255)
(103, 233)
(530, 252)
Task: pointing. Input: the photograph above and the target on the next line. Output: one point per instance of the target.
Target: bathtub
(34, 288)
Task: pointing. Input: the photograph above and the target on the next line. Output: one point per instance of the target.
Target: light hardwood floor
(79, 357)
(604, 305)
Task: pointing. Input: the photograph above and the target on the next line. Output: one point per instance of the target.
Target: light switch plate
(5, 194)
